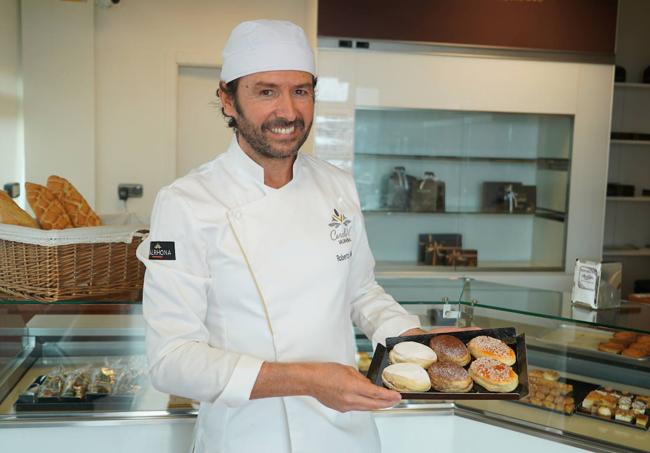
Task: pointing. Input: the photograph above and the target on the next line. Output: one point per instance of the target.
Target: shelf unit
(465, 150)
(627, 219)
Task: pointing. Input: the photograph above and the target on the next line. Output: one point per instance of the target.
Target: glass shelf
(556, 164)
(538, 303)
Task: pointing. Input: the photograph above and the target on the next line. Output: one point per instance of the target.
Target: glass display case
(464, 189)
(37, 339)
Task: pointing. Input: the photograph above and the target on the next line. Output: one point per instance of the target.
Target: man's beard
(256, 139)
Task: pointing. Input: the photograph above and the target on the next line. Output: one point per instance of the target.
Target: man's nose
(286, 107)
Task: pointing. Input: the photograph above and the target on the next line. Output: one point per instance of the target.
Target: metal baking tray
(507, 335)
(580, 391)
(579, 411)
(582, 340)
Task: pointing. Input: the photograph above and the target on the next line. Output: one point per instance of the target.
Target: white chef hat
(266, 45)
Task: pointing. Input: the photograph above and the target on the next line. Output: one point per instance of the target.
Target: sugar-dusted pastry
(642, 346)
(484, 346)
(49, 211)
(449, 377)
(634, 353)
(624, 337)
(412, 352)
(450, 349)
(12, 214)
(75, 205)
(406, 377)
(611, 347)
(493, 375)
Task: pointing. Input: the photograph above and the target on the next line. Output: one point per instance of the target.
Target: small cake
(450, 349)
(449, 377)
(590, 400)
(625, 402)
(644, 398)
(484, 346)
(642, 421)
(639, 407)
(551, 375)
(624, 415)
(412, 352)
(406, 377)
(493, 375)
(604, 411)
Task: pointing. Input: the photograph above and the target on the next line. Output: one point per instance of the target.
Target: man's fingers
(360, 402)
(373, 391)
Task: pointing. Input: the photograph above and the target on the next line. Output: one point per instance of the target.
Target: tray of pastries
(474, 364)
(112, 386)
(614, 406)
(627, 344)
(628, 347)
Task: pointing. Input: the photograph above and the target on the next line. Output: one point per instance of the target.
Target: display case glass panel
(497, 181)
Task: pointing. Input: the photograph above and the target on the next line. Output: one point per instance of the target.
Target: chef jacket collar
(251, 169)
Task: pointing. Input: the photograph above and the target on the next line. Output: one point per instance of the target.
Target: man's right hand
(336, 386)
(344, 389)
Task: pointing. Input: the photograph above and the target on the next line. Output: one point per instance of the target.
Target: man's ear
(227, 101)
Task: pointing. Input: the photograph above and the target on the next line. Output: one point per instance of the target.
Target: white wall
(11, 162)
(136, 44)
(58, 86)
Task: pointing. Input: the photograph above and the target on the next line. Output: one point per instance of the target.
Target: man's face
(274, 112)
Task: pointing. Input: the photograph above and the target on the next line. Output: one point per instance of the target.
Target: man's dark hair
(230, 89)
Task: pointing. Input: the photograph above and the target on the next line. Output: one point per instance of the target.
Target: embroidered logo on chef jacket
(162, 250)
(340, 228)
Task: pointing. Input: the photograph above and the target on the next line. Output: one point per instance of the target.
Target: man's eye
(266, 92)
(301, 92)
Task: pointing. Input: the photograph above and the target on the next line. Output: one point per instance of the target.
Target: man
(257, 264)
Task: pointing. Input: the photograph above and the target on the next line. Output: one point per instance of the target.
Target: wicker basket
(96, 263)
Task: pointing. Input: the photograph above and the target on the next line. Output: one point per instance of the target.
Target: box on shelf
(620, 190)
(503, 196)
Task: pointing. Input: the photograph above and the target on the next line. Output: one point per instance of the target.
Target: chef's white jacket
(261, 274)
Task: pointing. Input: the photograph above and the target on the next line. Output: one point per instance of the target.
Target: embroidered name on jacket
(162, 250)
(340, 228)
